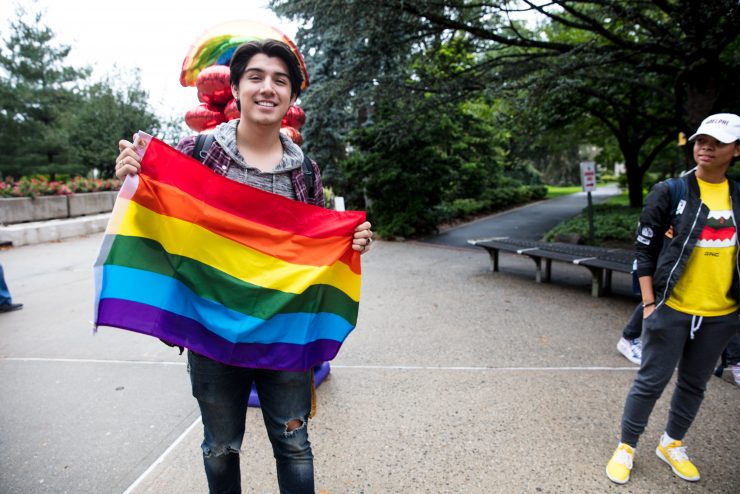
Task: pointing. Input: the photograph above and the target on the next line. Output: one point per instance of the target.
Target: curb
(53, 230)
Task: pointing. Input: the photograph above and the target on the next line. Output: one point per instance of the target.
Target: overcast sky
(154, 36)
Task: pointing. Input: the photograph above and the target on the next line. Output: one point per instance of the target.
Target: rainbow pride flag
(240, 275)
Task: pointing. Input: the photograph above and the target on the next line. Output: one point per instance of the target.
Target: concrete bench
(600, 261)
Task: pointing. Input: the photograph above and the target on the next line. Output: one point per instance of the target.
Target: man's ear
(235, 91)
(293, 99)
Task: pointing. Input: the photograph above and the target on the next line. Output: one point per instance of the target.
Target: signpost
(588, 181)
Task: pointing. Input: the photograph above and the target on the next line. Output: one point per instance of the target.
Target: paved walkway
(528, 222)
(456, 380)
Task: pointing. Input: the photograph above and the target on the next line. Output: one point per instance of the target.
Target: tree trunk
(702, 89)
(631, 155)
(634, 182)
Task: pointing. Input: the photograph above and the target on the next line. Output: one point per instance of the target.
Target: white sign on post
(588, 176)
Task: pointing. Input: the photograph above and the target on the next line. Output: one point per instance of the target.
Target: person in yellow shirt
(687, 263)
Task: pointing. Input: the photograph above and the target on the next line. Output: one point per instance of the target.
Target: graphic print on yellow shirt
(704, 287)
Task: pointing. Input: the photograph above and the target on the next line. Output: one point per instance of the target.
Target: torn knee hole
(219, 451)
(293, 425)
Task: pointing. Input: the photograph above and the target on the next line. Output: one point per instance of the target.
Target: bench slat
(599, 261)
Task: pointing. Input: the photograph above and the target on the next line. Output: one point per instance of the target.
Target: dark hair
(271, 48)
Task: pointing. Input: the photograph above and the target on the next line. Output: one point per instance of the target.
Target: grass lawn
(622, 199)
(554, 191)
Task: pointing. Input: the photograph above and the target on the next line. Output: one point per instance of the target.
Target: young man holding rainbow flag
(266, 80)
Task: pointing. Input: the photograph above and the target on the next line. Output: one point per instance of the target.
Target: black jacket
(665, 258)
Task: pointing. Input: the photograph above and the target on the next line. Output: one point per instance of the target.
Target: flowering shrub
(42, 186)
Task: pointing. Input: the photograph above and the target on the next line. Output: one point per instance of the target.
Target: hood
(225, 135)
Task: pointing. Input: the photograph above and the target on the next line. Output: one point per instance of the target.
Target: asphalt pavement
(456, 380)
(529, 222)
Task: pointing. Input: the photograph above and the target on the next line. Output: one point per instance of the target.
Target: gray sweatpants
(666, 341)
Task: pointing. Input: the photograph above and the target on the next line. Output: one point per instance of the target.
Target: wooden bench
(600, 261)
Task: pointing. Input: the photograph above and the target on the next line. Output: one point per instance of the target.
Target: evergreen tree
(52, 119)
(37, 99)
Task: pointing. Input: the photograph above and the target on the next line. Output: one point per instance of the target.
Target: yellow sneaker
(675, 455)
(619, 467)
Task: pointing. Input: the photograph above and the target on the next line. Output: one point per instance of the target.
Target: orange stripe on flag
(297, 249)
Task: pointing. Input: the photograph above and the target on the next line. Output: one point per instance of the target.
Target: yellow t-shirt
(704, 286)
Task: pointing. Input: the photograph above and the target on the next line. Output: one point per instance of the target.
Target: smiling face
(264, 91)
(711, 154)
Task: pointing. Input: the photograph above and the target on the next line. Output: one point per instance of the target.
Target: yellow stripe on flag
(193, 241)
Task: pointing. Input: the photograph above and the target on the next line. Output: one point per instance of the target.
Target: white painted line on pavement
(161, 458)
(89, 361)
(340, 366)
(507, 369)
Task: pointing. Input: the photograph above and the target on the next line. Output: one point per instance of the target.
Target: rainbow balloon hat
(217, 45)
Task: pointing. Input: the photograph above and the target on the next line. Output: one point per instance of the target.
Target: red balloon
(294, 135)
(204, 117)
(213, 85)
(295, 117)
(230, 112)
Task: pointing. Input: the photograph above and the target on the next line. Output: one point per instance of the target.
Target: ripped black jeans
(222, 392)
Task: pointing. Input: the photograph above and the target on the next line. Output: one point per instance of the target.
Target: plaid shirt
(219, 161)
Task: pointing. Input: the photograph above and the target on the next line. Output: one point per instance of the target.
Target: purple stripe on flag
(182, 331)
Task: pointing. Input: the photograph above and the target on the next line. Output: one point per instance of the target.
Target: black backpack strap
(308, 175)
(676, 192)
(202, 145)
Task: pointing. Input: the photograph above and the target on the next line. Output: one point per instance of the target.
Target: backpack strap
(308, 175)
(202, 145)
(677, 192)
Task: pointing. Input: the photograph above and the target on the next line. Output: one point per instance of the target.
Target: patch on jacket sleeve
(646, 232)
(643, 240)
(681, 205)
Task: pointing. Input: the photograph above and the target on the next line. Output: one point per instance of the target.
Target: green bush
(612, 224)
(491, 200)
(462, 208)
(733, 173)
(537, 192)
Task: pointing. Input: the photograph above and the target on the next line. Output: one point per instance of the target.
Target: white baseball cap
(725, 127)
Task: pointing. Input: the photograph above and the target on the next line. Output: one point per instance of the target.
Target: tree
(417, 155)
(108, 111)
(38, 93)
(643, 69)
(52, 120)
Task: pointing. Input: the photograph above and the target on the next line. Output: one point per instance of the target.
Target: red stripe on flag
(167, 165)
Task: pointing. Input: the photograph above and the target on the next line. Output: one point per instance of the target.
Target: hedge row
(612, 224)
(490, 201)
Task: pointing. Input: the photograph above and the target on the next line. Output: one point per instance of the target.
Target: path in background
(528, 222)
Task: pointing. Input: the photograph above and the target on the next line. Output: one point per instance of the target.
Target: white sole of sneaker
(662, 457)
(627, 355)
